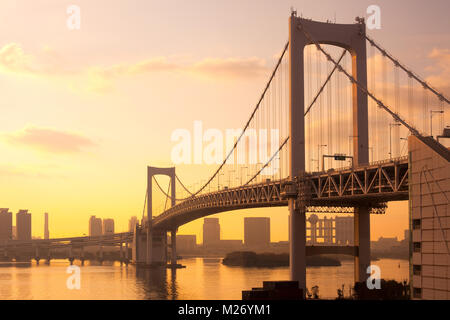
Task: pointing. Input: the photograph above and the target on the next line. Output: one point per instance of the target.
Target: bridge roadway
(334, 190)
(371, 185)
(75, 242)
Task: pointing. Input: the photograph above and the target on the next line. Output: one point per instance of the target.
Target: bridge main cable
(193, 194)
(396, 117)
(409, 72)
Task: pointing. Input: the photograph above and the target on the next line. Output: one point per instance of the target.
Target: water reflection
(154, 282)
(203, 278)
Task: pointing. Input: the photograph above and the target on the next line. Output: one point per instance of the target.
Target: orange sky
(85, 111)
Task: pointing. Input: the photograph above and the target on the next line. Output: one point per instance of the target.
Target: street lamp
(431, 119)
(391, 125)
(318, 155)
(218, 178)
(241, 172)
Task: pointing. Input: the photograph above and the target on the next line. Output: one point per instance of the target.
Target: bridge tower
(153, 252)
(352, 38)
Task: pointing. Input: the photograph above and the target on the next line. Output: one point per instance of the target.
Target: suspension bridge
(336, 129)
(342, 126)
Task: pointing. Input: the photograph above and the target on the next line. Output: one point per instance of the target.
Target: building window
(416, 224)
(417, 292)
(417, 270)
(417, 246)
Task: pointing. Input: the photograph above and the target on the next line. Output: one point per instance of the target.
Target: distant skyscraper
(46, 231)
(95, 226)
(257, 232)
(108, 226)
(132, 223)
(14, 232)
(5, 224)
(211, 232)
(23, 223)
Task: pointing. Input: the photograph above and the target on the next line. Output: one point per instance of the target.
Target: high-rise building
(5, 224)
(108, 226)
(211, 232)
(95, 226)
(257, 232)
(23, 223)
(46, 231)
(132, 223)
(14, 232)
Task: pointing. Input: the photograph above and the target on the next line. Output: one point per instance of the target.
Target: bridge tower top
(153, 171)
(303, 32)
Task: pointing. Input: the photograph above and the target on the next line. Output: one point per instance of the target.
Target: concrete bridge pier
(49, 256)
(297, 244)
(127, 260)
(121, 253)
(36, 255)
(173, 247)
(82, 255)
(100, 255)
(361, 223)
(71, 257)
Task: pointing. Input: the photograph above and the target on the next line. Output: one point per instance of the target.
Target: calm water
(203, 278)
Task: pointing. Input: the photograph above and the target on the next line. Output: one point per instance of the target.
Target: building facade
(211, 232)
(429, 194)
(132, 223)
(257, 232)
(108, 226)
(95, 226)
(186, 243)
(23, 224)
(5, 224)
(344, 232)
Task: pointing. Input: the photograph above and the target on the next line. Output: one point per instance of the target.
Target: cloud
(49, 64)
(441, 80)
(232, 67)
(13, 59)
(48, 140)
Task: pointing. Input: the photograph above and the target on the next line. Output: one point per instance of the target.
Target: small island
(271, 260)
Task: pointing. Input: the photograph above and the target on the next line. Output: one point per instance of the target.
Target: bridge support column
(362, 242)
(49, 256)
(121, 253)
(173, 245)
(36, 257)
(297, 245)
(82, 255)
(100, 258)
(71, 257)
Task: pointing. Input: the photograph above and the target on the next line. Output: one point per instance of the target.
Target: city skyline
(253, 150)
(31, 136)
